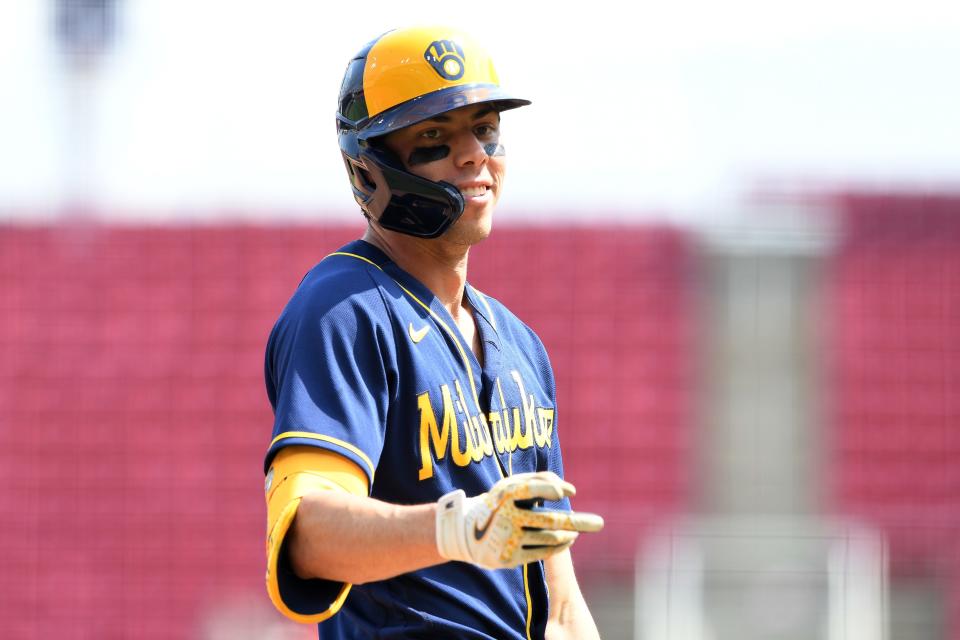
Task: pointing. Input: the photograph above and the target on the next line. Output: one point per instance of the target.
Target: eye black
(423, 155)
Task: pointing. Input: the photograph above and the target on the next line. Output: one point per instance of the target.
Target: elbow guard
(295, 472)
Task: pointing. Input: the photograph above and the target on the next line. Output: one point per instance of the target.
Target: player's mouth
(474, 191)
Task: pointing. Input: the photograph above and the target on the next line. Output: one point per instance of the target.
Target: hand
(491, 530)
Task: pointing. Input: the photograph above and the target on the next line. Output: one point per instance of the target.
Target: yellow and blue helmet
(402, 78)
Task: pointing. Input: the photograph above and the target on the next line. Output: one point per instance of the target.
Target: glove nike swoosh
(480, 532)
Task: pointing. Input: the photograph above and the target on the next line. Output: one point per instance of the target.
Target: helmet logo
(446, 57)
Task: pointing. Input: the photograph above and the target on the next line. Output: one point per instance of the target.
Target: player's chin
(473, 226)
(483, 220)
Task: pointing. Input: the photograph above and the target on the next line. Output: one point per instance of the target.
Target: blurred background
(736, 226)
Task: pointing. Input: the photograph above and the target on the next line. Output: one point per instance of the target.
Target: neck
(441, 266)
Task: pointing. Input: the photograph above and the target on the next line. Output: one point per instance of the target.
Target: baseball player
(414, 480)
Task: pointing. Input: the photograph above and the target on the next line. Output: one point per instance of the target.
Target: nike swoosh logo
(480, 532)
(417, 334)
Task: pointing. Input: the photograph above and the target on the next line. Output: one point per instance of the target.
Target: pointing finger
(547, 537)
(564, 520)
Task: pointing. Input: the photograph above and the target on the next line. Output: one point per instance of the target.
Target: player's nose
(468, 150)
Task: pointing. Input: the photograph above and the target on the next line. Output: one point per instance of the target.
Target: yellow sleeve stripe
(308, 466)
(322, 438)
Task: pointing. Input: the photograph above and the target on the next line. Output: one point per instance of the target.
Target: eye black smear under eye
(494, 149)
(423, 155)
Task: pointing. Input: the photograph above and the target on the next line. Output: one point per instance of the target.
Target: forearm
(348, 538)
(572, 620)
(569, 615)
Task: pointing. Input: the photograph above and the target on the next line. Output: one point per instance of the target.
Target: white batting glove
(492, 531)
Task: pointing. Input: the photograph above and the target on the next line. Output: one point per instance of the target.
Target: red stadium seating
(133, 418)
(894, 313)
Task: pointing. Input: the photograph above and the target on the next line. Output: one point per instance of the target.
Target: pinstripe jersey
(365, 361)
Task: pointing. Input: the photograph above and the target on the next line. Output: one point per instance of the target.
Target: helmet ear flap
(404, 202)
(371, 189)
(359, 179)
(364, 176)
(379, 195)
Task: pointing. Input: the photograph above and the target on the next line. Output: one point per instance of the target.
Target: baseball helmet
(402, 78)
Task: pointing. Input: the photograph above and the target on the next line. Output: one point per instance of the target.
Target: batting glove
(492, 530)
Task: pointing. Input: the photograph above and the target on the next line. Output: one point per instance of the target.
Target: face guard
(402, 78)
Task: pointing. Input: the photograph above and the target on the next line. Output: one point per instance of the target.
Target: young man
(414, 478)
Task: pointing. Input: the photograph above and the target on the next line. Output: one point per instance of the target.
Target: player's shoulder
(357, 263)
(352, 272)
(347, 282)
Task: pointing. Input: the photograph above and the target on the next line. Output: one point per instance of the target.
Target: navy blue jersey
(365, 361)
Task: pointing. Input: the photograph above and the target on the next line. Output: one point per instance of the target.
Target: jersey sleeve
(328, 372)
